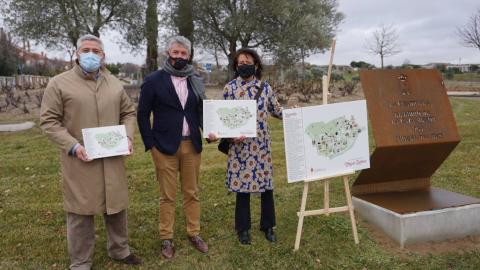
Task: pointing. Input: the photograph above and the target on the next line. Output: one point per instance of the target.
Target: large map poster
(105, 141)
(230, 118)
(326, 140)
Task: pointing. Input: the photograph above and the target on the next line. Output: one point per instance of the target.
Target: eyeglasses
(93, 50)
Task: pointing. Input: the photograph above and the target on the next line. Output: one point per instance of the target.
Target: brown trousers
(81, 238)
(186, 161)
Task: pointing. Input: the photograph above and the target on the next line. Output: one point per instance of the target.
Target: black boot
(270, 235)
(244, 237)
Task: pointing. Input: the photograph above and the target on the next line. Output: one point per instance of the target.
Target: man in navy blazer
(175, 96)
(158, 95)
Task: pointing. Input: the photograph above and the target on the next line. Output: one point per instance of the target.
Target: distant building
(341, 68)
(435, 65)
(27, 58)
(32, 59)
(462, 67)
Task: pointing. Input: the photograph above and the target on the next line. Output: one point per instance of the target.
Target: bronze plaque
(413, 127)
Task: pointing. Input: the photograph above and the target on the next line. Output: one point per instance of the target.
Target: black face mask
(245, 71)
(179, 63)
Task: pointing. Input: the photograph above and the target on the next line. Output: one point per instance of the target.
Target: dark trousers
(242, 211)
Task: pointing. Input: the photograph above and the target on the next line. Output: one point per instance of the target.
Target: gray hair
(180, 40)
(89, 37)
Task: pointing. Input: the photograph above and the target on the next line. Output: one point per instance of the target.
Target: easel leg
(350, 209)
(326, 196)
(301, 216)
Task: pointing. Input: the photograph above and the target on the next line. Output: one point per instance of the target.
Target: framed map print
(230, 118)
(105, 141)
(326, 140)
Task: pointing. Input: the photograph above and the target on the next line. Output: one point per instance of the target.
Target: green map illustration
(234, 117)
(109, 140)
(335, 137)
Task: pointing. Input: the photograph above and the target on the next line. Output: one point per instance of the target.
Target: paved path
(463, 93)
(16, 127)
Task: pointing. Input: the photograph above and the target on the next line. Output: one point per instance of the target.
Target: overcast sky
(426, 30)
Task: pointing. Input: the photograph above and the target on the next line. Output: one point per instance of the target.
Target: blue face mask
(90, 62)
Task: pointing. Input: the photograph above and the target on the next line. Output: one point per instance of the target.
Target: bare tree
(470, 33)
(384, 42)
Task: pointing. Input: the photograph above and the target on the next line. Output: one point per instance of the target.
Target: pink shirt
(180, 84)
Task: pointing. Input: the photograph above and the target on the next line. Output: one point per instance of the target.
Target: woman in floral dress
(249, 167)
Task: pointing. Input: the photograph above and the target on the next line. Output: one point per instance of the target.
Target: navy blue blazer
(158, 95)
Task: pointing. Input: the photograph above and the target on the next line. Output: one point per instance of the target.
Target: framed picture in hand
(106, 141)
(230, 118)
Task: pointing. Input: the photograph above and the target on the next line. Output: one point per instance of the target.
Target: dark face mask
(245, 71)
(179, 63)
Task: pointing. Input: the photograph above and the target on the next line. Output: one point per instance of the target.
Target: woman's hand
(212, 137)
(239, 139)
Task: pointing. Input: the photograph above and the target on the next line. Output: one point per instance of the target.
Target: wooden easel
(326, 182)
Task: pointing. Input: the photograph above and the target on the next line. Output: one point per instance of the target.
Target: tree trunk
(96, 31)
(151, 33)
(381, 60)
(282, 74)
(302, 51)
(232, 48)
(71, 52)
(184, 22)
(216, 57)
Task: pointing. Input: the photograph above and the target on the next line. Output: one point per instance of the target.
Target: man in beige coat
(88, 96)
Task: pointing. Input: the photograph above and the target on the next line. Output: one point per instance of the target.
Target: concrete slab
(424, 226)
(16, 127)
(413, 201)
(463, 93)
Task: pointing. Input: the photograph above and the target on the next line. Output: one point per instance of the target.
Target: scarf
(194, 80)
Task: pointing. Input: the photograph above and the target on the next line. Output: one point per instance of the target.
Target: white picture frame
(230, 118)
(105, 141)
(326, 140)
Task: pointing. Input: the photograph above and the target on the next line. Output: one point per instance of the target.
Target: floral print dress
(249, 167)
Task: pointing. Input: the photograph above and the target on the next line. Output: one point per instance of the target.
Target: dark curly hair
(256, 61)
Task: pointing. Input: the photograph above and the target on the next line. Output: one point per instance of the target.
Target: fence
(24, 82)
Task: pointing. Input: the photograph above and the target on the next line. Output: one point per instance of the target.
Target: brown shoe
(168, 250)
(198, 243)
(131, 259)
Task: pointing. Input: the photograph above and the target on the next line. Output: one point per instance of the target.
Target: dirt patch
(28, 105)
(22, 104)
(464, 86)
(335, 97)
(16, 126)
(460, 245)
(30, 110)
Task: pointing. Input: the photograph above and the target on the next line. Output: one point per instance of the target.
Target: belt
(185, 138)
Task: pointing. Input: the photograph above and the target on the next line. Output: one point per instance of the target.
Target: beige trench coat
(72, 101)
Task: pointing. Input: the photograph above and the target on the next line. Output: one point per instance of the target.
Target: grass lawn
(33, 231)
(468, 76)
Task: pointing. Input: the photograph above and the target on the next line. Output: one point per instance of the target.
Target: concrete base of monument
(454, 221)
